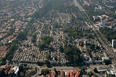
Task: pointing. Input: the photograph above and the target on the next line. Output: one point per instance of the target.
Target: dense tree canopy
(109, 33)
(72, 54)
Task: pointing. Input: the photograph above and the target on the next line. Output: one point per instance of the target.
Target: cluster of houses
(25, 9)
(16, 23)
(3, 51)
(7, 34)
(105, 21)
(74, 73)
(7, 70)
(97, 55)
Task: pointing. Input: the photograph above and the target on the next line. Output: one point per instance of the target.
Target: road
(98, 34)
(65, 68)
(78, 5)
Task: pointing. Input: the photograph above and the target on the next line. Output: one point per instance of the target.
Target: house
(72, 74)
(66, 74)
(48, 75)
(62, 74)
(52, 74)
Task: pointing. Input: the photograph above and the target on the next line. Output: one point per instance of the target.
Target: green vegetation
(42, 45)
(109, 33)
(46, 39)
(78, 33)
(91, 46)
(72, 54)
(92, 74)
(44, 71)
(48, 57)
(21, 36)
(107, 62)
(61, 49)
(47, 62)
(95, 70)
(83, 70)
(39, 63)
(12, 49)
(45, 43)
(33, 39)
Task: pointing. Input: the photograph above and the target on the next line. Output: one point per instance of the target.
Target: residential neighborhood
(57, 38)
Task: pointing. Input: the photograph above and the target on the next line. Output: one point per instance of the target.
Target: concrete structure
(99, 9)
(16, 69)
(114, 43)
(103, 24)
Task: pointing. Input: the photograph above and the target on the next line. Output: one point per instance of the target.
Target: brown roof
(48, 75)
(77, 73)
(52, 74)
(67, 74)
(1, 69)
(11, 71)
(5, 72)
(71, 74)
(7, 67)
(21, 74)
(62, 73)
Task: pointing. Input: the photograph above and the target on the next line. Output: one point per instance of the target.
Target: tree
(45, 43)
(39, 63)
(55, 57)
(2, 73)
(49, 57)
(21, 67)
(83, 70)
(61, 49)
(25, 65)
(92, 46)
(21, 36)
(90, 74)
(81, 44)
(42, 45)
(72, 54)
(3, 63)
(56, 72)
(46, 39)
(48, 63)
(107, 62)
(44, 71)
(97, 47)
(95, 70)
(51, 48)
(12, 49)
(33, 39)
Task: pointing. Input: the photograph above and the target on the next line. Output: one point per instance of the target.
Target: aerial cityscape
(57, 38)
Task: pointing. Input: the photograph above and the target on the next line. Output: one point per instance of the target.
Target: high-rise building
(103, 24)
(114, 43)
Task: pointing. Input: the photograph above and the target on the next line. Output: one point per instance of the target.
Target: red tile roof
(7, 67)
(21, 74)
(1, 69)
(67, 74)
(77, 73)
(5, 72)
(71, 74)
(48, 75)
(52, 74)
(62, 73)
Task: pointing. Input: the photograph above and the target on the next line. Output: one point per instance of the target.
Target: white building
(99, 9)
(16, 69)
(114, 43)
